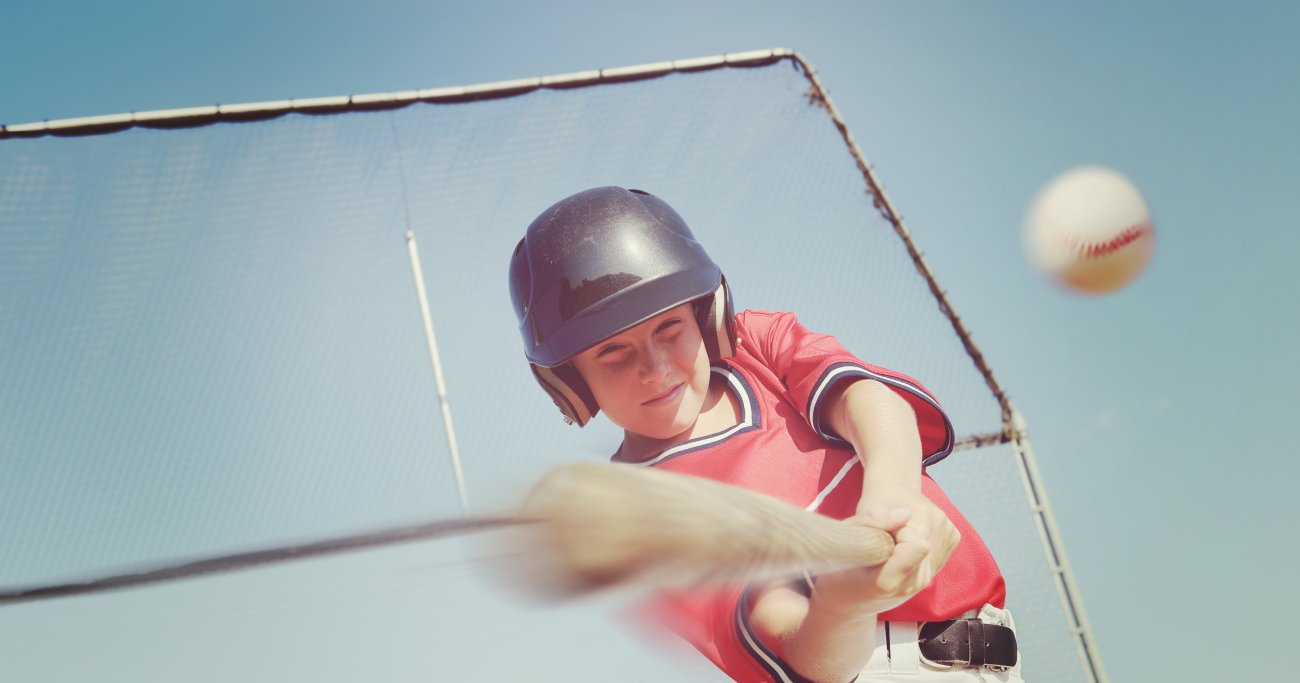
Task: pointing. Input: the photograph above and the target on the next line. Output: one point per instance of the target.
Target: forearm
(832, 636)
(881, 427)
(832, 644)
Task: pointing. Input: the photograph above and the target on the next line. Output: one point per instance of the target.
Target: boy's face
(652, 379)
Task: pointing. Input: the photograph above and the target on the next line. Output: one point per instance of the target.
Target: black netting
(212, 342)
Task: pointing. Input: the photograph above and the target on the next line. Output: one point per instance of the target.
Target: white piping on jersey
(833, 376)
(833, 483)
(747, 412)
(755, 649)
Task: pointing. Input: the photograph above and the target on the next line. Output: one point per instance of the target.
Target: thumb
(886, 519)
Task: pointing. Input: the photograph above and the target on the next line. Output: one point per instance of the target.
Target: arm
(828, 635)
(827, 632)
(826, 641)
(881, 426)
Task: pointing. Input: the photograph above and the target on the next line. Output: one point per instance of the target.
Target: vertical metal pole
(1071, 601)
(418, 274)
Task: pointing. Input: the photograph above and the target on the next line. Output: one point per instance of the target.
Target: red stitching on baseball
(1126, 237)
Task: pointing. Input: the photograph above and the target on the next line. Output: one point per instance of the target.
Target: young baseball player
(621, 310)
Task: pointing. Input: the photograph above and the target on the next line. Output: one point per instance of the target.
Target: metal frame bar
(202, 116)
(417, 273)
(1067, 589)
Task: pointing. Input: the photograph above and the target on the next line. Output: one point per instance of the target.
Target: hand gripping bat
(603, 525)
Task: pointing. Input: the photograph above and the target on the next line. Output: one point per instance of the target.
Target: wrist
(885, 498)
(885, 486)
(839, 597)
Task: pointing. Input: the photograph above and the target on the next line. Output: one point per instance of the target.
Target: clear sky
(1162, 415)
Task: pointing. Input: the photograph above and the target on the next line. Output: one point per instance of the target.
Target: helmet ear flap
(569, 392)
(717, 322)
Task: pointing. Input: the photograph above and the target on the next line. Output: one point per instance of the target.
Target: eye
(669, 325)
(609, 351)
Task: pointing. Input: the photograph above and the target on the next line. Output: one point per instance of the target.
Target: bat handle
(843, 544)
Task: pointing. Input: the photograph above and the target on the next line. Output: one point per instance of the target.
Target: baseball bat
(604, 525)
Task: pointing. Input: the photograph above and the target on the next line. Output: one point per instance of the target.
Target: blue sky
(1162, 415)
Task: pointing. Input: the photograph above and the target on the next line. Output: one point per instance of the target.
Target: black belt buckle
(967, 642)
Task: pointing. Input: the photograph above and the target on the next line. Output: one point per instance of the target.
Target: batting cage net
(234, 336)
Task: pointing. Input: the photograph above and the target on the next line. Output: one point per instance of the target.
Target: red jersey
(779, 376)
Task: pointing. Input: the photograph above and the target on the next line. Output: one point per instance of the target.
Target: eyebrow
(604, 346)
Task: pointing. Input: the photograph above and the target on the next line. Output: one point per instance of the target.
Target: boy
(622, 310)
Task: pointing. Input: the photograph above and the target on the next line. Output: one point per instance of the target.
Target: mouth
(666, 397)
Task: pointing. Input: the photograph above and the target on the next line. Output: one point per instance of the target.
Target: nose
(654, 364)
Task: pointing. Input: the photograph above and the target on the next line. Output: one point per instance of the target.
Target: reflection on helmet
(601, 262)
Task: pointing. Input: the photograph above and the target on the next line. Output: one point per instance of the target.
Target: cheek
(606, 386)
(694, 360)
(702, 363)
(614, 390)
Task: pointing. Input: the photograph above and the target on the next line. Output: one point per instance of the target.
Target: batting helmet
(601, 262)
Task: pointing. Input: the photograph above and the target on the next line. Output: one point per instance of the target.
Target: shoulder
(762, 333)
(758, 320)
(759, 315)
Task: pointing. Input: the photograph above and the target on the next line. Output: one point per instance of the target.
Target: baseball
(1090, 230)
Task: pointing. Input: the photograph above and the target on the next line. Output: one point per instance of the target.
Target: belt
(968, 642)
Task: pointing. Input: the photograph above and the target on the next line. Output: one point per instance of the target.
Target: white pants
(898, 658)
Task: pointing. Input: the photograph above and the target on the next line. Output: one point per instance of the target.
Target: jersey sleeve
(809, 365)
(716, 623)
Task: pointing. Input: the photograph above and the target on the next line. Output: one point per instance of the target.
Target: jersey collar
(749, 420)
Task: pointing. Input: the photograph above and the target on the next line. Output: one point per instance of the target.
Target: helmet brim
(623, 311)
